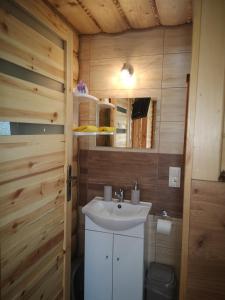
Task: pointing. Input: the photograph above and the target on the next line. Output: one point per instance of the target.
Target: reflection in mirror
(134, 120)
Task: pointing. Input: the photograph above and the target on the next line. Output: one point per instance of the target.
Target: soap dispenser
(135, 194)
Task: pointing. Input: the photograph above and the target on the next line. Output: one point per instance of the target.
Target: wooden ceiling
(112, 16)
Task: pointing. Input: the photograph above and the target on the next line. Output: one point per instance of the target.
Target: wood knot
(18, 193)
(14, 225)
(31, 164)
(5, 27)
(55, 116)
(201, 241)
(72, 3)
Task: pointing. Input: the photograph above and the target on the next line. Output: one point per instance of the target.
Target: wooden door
(98, 265)
(35, 145)
(128, 268)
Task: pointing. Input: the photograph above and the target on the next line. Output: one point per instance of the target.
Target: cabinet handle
(118, 259)
(107, 257)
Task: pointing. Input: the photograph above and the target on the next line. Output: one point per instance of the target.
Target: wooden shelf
(81, 133)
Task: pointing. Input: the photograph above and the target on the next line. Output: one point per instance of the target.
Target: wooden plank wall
(161, 60)
(223, 145)
(32, 167)
(210, 93)
(203, 245)
(206, 263)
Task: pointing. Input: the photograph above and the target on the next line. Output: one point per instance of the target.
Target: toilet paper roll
(164, 226)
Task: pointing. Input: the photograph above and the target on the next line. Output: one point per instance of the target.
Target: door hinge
(70, 179)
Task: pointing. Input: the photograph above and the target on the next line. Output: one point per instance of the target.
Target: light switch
(174, 177)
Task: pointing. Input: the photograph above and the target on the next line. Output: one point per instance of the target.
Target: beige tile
(173, 104)
(105, 73)
(171, 137)
(84, 72)
(175, 69)
(167, 241)
(166, 256)
(127, 44)
(149, 254)
(85, 44)
(178, 39)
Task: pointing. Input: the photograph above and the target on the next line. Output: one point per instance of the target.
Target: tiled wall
(161, 60)
(163, 248)
(121, 169)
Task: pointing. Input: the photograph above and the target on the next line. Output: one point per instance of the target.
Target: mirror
(133, 119)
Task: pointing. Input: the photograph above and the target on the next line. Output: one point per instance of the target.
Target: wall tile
(105, 73)
(121, 169)
(175, 69)
(173, 107)
(166, 256)
(178, 39)
(127, 44)
(171, 137)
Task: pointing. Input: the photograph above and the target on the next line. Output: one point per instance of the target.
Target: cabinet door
(128, 268)
(98, 265)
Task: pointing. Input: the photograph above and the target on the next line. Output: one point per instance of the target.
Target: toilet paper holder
(164, 213)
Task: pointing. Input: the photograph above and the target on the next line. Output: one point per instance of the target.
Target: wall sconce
(127, 72)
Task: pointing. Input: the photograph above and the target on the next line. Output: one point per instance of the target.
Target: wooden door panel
(36, 89)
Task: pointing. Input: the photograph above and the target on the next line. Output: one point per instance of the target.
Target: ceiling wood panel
(108, 14)
(134, 9)
(77, 15)
(174, 12)
(113, 16)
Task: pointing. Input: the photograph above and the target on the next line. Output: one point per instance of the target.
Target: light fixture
(127, 72)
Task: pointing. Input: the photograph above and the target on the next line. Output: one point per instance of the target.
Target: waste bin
(161, 282)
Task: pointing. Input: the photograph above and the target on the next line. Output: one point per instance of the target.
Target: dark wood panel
(206, 263)
(121, 169)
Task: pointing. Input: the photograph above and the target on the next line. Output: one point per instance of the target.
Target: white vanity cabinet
(113, 263)
(98, 265)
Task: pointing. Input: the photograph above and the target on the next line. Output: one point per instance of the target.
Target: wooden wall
(161, 61)
(203, 245)
(35, 216)
(206, 263)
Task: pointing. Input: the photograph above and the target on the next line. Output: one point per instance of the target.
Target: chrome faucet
(120, 195)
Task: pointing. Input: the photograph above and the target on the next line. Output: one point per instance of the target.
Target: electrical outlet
(174, 177)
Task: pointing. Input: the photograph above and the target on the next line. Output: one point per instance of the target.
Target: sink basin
(116, 215)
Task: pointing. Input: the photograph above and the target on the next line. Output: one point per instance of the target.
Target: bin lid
(161, 273)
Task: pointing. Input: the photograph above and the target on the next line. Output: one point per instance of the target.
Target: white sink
(115, 215)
